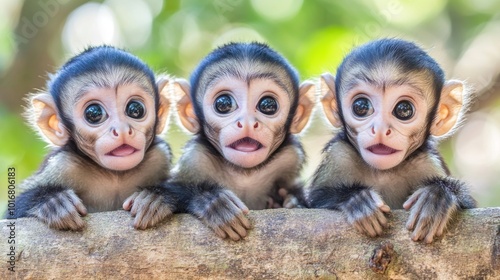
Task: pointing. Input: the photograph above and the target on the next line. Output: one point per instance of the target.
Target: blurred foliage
(313, 35)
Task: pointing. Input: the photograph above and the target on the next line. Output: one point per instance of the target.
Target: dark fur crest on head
(246, 61)
(99, 67)
(406, 57)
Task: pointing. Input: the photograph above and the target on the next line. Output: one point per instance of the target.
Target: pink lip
(246, 145)
(122, 151)
(381, 149)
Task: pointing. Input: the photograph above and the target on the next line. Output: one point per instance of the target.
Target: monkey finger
(141, 201)
(243, 220)
(236, 201)
(156, 213)
(290, 202)
(415, 214)
(77, 203)
(219, 232)
(431, 232)
(358, 227)
(238, 228)
(230, 232)
(283, 192)
(421, 229)
(270, 203)
(127, 204)
(368, 227)
(412, 199)
(381, 219)
(77, 223)
(379, 202)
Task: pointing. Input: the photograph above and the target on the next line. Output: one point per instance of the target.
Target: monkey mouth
(246, 145)
(381, 149)
(122, 151)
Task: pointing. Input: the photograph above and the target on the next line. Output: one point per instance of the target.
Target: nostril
(130, 131)
(115, 133)
(388, 132)
(239, 124)
(256, 125)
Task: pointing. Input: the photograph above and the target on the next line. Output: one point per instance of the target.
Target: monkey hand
(148, 207)
(430, 208)
(223, 212)
(61, 210)
(289, 200)
(365, 211)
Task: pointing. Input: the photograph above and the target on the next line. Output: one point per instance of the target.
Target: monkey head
(388, 97)
(245, 99)
(107, 103)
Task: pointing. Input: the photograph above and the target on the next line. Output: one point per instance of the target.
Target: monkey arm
(433, 205)
(336, 186)
(220, 209)
(59, 207)
(363, 207)
(49, 197)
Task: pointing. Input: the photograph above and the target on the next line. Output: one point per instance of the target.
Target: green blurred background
(37, 36)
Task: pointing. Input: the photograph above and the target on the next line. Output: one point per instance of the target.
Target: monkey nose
(387, 132)
(240, 125)
(126, 130)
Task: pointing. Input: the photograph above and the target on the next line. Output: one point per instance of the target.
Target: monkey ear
(184, 104)
(43, 115)
(163, 83)
(449, 108)
(329, 99)
(307, 96)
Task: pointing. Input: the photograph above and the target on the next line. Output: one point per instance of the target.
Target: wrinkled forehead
(386, 74)
(245, 70)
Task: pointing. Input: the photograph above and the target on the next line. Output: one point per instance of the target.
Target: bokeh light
(277, 9)
(477, 149)
(90, 24)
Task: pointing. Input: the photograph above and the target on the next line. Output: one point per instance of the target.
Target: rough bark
(284, 244)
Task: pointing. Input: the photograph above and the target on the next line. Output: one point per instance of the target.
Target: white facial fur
(382, 126)
(119, 141)
(246, 120)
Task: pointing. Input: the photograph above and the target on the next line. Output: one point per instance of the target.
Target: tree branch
(284, 244)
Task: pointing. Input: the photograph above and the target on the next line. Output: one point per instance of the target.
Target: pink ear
(164, 84)
(449, 108)
(44, 115)
(307, 101)
(184, 105)
(329, 100)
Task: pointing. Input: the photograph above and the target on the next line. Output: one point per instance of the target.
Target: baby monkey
(244, 104)
(102, 111)
(391, 102)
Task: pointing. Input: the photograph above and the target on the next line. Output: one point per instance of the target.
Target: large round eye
(135, 109)
(225, 104)
(362, 107)
(95, 114)
(404, 110)
(268, 105)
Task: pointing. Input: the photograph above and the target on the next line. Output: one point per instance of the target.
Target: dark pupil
(94, 114)
(268, 105)
(223, 104)
(361, 107)
(403, 110)
(135, 110)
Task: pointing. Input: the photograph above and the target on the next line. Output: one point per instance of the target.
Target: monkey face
(386, 124)
(245, 121)
(114, 126)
